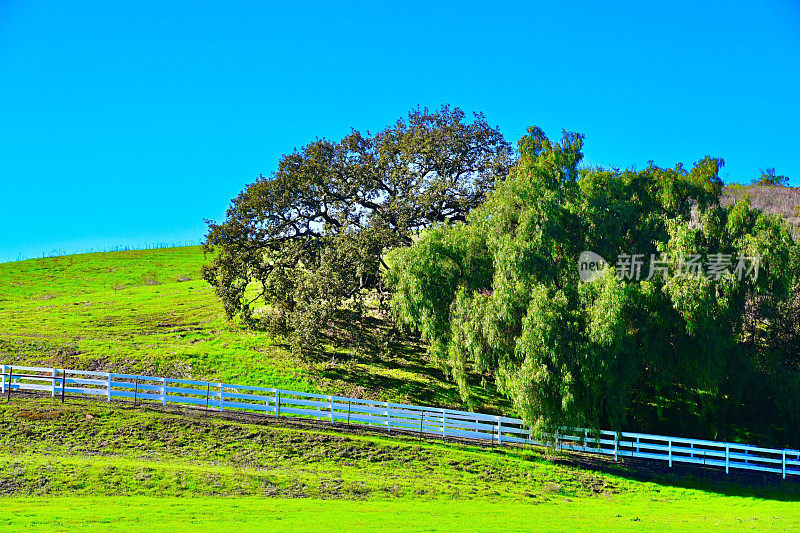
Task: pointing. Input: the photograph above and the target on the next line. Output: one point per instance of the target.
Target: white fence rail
(392, 416)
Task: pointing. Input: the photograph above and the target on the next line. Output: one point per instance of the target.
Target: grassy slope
(128, 311)
(107, 465)
(101, 466)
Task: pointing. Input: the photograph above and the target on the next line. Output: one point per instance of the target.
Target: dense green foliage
(700, 355)
(309, 239)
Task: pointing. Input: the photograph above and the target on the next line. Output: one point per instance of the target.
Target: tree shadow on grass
(741, 483)
(360, 342)
(403, 389)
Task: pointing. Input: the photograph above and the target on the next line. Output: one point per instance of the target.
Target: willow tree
(301, 245)
(501, 295)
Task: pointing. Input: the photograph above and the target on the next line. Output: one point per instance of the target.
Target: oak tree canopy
(298, 245)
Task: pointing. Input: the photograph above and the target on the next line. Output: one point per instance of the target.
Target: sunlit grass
(107, 466)
(150, 312)
(102, 466)
(252, 514)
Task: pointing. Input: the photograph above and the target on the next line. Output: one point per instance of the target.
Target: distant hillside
(780, 200)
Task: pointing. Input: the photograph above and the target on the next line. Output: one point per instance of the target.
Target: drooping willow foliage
(696, 354)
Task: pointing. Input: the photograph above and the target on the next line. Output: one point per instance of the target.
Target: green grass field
(251, 514)
(102, 466)
(149, 312)
(111, 466)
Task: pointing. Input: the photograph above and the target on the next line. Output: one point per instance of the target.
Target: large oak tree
(297, 246)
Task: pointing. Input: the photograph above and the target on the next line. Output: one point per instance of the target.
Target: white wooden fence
(392, 416)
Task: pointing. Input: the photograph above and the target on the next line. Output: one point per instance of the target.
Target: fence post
(691, 447)
(585, 439)
(108, 386)
(616, 445)
(637, 444)
(277, 403)
(499, 431)
(221, 395)
(163, 392)
(53, 391)
(388, 419)
(135, 389)
(444, 432)
(63, 383)
(10, 383)
(3, 382)
(783, 464)
(670, 453)
(331, 400)
(727, 457)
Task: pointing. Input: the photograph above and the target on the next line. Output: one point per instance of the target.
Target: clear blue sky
(130, 124)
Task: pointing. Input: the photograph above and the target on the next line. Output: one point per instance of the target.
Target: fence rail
(392, 416)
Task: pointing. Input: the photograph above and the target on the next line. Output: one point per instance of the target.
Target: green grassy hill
(118, 467)
(115, 466)
(149, 312)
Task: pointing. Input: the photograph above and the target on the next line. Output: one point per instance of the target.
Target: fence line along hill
(391, 416)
